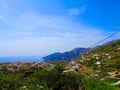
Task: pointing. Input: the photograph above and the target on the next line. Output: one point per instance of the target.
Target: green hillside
(105, 58)
(103, 63)
(97, 70)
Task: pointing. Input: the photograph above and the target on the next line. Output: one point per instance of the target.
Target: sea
(21, 59)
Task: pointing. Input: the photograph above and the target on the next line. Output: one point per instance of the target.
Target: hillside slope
(106, 57)
(103, 63)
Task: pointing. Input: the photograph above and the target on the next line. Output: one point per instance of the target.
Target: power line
(104, 39)
(87, 49)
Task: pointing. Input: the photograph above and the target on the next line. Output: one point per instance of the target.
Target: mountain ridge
(67, 56)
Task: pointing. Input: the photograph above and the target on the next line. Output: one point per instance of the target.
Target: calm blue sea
(21, 59)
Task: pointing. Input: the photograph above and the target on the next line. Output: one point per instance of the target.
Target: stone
(98, 63)
(106, 54)
(97, 58)
(109, 57)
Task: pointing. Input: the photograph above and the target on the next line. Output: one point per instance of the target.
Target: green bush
(8, 81)
(58, 80)
(94, 84)
(53, 79)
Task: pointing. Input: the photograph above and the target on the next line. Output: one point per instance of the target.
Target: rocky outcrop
(73, 66)
(18, 66)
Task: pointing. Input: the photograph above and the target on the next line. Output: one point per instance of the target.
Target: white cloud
(36, 34)
(76, 11)
(41, 46)
(40, 25)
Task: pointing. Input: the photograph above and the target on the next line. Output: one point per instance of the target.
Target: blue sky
(41, 27)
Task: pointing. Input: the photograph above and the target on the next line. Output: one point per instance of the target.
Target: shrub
(8, 81)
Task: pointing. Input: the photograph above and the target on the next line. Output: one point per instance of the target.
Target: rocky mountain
(67, 56)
